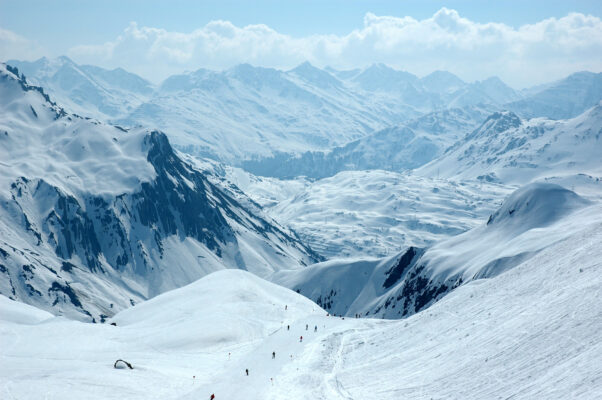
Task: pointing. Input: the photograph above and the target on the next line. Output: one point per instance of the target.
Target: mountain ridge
(95, 218)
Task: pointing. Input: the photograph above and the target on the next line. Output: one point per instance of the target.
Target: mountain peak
(537, 205)
(315, 75)
(384, 78)
(502, 121)
(441, 74)
(65, 60)
(304, 65)
(442, 81)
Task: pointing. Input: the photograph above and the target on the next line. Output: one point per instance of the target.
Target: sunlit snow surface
(373, 213)
(532, 332)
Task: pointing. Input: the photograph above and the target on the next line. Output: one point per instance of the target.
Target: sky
(523, 42)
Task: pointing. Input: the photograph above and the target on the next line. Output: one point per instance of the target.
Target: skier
(301, 339)
(288, 327)
(273, 355)
(285, 307)
(316, 328)
(247, 371)
(212, 397)
(305, 326)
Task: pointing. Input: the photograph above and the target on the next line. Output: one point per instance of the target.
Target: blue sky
(99, 32)
(49, 21)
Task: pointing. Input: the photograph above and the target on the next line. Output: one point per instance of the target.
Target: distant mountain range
(509, 149)
(254, 114)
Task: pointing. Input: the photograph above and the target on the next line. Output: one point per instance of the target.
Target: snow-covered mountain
(396, 148)
(250, 112)
(94, 218)
(531, 332)
(532, 219)
(507, 148)
(566, 98)
(86, 89)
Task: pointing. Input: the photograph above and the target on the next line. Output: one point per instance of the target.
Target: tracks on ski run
(337, 340)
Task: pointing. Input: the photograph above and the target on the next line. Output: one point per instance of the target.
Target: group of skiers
(288, 328)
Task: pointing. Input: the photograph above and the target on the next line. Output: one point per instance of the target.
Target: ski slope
(531, 332)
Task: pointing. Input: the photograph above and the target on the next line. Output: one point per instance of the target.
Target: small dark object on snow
(247, 371)
(212, 397)
(114, 323)
(273, 354)
(123, 361)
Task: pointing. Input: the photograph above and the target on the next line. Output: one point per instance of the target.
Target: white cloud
(13, 46)
(522, 56)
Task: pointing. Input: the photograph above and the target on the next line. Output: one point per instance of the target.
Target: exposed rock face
(88, 253)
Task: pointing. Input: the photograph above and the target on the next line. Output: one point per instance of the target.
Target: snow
(531, 332)
(246, 111)
(79, 155)
(505, 258)
(507, 149)
(95, 218)
(530, 220)
(20, 313)
(372, 213)
(85, 89)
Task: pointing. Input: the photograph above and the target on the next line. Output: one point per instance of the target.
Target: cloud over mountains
(522, 56)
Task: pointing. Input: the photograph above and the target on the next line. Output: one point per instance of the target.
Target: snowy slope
(563, 99)
(94, 218)
(378, 213)
(531, 332)
(509, 149)
(488, 91)
(396, 148)
(185, 332)
(530, 220)
(250, 111)
(85, 89)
